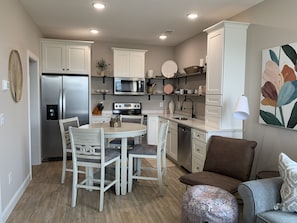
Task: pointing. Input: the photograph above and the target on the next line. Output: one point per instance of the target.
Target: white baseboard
(13, 202)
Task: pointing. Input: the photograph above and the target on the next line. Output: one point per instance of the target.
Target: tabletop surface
(126, 128)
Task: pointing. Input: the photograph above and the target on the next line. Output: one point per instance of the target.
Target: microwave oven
(129, 86)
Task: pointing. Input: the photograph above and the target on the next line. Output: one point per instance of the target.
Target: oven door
(129, 86)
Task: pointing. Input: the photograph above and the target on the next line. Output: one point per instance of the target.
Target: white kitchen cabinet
(226, 53)
(129, 63)
(100, 119)
(152, 129)
(172, 143)
(172, 137)
(199, 142)
(70, 57)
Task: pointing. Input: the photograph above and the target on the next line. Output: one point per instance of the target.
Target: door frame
(34, 127)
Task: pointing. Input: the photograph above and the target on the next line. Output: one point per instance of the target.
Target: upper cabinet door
(129, 63)
(121, 63)
(65, 57)
(215, 46)
(53, 58)
(137, 64)
(78, 59)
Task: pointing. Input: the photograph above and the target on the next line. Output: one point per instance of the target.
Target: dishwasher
(184, 154)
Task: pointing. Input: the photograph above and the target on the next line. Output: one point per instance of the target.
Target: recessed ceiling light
(162, 37)
(192, 15)
(94, 31)
(98, 5)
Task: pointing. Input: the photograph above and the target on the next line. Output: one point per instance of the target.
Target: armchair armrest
(259, 196)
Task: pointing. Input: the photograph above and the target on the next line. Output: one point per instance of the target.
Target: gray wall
(17, 32)
(191, 51)
(154, 57)
(186, 54)
(272, 24)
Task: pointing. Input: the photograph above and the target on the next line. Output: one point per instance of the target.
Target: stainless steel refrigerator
(62, 96)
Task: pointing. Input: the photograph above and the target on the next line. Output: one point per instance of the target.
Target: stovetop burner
(127, 108)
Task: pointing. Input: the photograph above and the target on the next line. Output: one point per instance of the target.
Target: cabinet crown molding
(229, 24)
(127, 49)
(44, 40)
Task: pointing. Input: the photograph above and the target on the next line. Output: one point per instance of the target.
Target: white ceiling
(131, 21)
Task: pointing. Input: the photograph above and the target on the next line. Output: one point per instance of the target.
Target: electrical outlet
(9, 177)
(161, 104)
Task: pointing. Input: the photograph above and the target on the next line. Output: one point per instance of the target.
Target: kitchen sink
(180, 118)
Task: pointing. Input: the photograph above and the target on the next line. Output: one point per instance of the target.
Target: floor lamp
(241, 110)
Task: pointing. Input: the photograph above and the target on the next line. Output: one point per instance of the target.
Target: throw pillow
(288, 192)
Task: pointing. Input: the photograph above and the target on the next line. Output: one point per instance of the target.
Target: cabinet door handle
(198, 150)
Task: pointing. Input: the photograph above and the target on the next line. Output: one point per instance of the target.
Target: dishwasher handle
(184, 128)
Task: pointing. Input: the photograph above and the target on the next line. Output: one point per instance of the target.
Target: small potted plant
(102, 66)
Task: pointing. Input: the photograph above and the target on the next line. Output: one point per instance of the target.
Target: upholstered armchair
(259, 198)
(228, 163)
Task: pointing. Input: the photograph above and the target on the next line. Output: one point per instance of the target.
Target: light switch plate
(5, 85)
(1, 119)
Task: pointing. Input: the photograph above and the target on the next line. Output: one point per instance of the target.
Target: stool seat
(203, 203)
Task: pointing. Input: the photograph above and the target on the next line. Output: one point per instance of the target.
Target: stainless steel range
(129, 108)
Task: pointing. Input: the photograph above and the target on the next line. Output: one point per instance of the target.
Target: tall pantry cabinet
(226, 58)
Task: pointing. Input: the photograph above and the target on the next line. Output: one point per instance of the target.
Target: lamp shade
(241, 110)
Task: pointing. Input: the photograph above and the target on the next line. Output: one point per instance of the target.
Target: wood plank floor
(46, 200)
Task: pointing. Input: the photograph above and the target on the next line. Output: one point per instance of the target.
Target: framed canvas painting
(278, 102)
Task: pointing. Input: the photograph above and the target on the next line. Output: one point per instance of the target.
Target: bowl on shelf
(191, 69)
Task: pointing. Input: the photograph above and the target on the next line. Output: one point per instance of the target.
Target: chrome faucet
(192, 110)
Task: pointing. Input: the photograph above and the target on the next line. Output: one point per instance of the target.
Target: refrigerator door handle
(60, 104)
(64, 103)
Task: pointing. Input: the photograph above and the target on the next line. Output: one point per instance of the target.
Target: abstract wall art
(278, 103)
